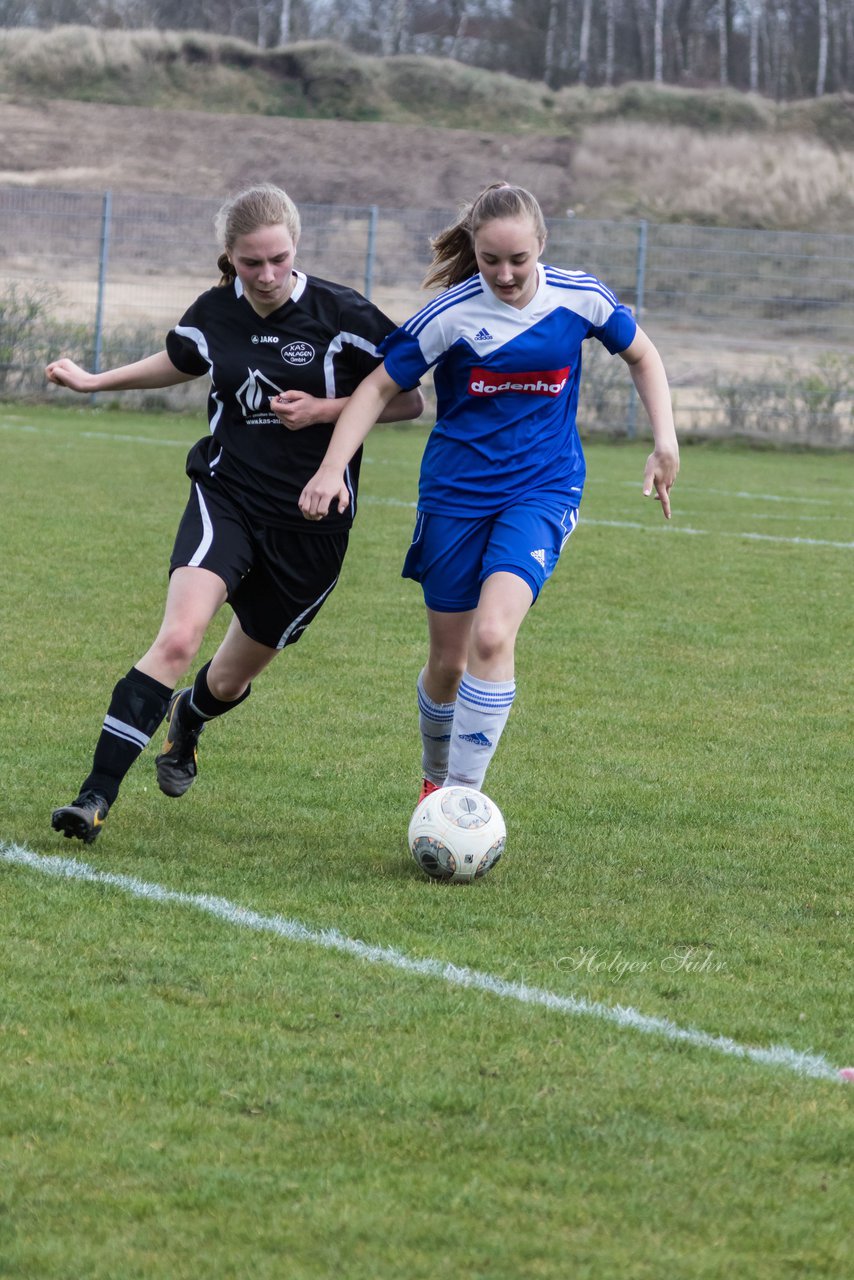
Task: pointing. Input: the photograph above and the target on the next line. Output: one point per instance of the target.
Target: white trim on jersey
(335, 347)
(449, 298)
(471, 312)
(215, 417)
(207, 533)
(564, 279)
(198, 340)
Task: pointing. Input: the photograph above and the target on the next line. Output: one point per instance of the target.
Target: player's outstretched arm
(365, 407)
(650, 379)
(153, 371)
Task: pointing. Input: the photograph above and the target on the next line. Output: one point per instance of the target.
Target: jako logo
(264, 337)
(548, 382)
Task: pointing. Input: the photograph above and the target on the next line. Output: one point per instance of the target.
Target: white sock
(483, 707)
(434, 720)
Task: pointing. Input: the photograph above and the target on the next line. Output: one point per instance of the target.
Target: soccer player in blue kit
(283, 351)
(503, 470)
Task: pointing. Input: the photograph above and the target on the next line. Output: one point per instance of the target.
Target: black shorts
(277, 578)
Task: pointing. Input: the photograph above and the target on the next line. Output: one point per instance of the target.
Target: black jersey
(322, 341)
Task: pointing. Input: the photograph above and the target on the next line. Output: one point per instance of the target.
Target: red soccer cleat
(427, 789)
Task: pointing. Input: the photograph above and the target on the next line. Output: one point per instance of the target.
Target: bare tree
(398, 23)
(550, 49)
(723, 42)
(610, 41)
(459, 17)
(755, 20)
(658, 43)
(643, 20)
(821, 76)
(284, 23)
(584, 42)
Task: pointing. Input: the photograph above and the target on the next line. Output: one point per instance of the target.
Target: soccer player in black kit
(283, 351)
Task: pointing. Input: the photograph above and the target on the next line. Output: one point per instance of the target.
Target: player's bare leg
(219, 687)
(140, 699)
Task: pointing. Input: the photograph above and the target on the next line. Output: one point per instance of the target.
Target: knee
(491, 640)
(177, 647)
(227, 688)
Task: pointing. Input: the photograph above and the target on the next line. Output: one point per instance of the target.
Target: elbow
(416, 403)
(407, 406)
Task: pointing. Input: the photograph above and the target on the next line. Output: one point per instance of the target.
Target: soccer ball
(457, 834)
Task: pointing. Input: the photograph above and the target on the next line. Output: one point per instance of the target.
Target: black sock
(137, 707)
(202, 705)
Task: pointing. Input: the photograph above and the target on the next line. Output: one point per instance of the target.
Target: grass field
(243, 1036)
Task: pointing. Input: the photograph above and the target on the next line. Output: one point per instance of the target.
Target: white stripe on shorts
(207, 533)
(298, 624)
(573, 521)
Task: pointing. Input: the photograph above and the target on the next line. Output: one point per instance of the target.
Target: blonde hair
(264, 205)
(453, 249)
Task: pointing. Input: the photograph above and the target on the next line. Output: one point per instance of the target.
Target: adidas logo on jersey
(483, 336)
(540, 557)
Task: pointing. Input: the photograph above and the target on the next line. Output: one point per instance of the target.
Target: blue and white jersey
(506, 382)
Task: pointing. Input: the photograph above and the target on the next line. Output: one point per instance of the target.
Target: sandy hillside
(88, 146)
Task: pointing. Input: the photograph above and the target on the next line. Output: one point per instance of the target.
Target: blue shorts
(452, 556)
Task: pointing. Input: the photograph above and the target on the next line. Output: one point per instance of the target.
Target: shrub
(794, 407)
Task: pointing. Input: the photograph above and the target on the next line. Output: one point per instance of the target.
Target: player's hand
(324, 488)
(296, 409)
(662, 468)
(65, 373)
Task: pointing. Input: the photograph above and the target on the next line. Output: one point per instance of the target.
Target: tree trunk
(610, 40)
(821, 77)
(723, 43)
(584, 43)
(284, 22)
(550, 51)
(755, 16)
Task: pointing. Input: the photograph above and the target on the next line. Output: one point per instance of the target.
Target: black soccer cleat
(83, 819)
(178, 764)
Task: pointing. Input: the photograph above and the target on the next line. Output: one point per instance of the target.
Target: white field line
(9, 425)
(26, 429)
(738, 493)
(626, 1018)
(670, 529)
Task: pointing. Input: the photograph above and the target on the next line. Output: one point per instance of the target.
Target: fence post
(373, 219)
(640, 281)
(103, 258)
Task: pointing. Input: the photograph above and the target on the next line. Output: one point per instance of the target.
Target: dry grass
(678, 174)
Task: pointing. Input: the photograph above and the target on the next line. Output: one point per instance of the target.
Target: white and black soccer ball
(457, 834)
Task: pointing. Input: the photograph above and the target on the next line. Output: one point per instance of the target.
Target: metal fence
(756, 328)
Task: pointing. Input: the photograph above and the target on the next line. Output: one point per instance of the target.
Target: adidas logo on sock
(479, 739)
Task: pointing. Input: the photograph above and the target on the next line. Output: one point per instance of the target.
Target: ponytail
(226, 267)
